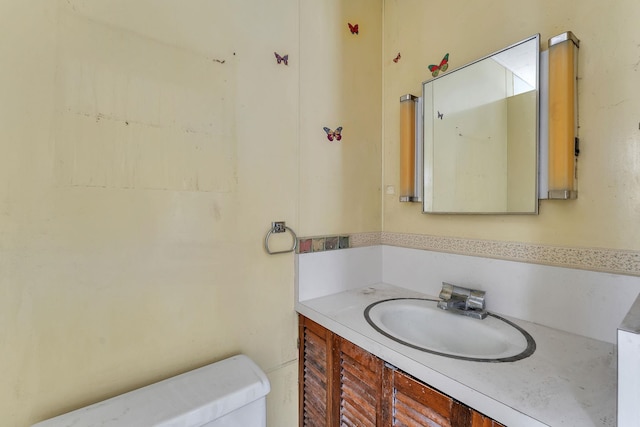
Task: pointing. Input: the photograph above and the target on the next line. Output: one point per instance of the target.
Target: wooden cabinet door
(340, 384)
(418, 405)
(361, 403)
(315, 374)
(479, 420)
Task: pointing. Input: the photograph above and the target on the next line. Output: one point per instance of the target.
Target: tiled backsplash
(588, 303)
(595, 259)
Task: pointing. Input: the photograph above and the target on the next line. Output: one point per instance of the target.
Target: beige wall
(147, 146)
(138, 177)
(340, 85)
(139, 174)
(606, 212)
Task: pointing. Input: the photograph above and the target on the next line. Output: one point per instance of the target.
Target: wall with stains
(340, 85)
(146, 148)
(605, 214)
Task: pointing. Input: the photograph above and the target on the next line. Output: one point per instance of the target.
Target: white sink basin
(419, 324)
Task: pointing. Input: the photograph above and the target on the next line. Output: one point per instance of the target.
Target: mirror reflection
(481, 135)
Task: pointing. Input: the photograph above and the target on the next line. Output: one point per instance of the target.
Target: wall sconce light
(410, 148)
(563, 115)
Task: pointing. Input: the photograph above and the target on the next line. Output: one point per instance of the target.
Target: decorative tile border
(322, 243)
(605, 260)
(365, 239)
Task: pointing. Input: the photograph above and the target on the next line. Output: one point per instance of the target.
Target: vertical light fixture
(563, 115)
(410, 148)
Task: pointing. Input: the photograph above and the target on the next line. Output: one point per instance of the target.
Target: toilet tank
(228, 393)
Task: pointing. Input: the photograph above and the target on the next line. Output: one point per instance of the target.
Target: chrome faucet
(468, 302)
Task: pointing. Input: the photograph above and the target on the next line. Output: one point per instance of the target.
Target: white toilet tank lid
(187, 400)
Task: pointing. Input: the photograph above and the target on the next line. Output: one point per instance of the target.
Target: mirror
(481, 135)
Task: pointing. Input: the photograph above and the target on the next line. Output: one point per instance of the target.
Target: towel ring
(280, 227)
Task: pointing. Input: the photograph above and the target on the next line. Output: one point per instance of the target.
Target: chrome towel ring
(280, 227)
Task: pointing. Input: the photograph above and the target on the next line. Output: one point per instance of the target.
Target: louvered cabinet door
(315, 376)
(360, 386)
(417, 405)
(479, 420)
(344, 385)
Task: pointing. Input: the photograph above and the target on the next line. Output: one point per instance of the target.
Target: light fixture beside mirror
(410, 148)
(563, 115)
(479, 129)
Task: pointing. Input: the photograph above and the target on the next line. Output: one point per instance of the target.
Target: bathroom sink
(419, 324)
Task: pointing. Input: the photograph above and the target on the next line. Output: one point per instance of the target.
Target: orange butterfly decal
(353, 28)
(397, 58)
(444, 64)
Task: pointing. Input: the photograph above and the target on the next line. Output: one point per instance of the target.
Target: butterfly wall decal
(444, 64)
(353, 28)
(397, 58)
(335, 134)
(281, 59)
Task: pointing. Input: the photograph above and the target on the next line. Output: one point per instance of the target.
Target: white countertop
(570, 380)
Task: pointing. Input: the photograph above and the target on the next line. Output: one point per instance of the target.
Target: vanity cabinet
(340, 384)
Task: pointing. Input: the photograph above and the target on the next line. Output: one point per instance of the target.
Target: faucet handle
(446, 292)
(473, 298)
(476, 299)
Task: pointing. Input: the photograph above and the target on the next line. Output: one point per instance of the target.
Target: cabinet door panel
(344, 385)
(315, 352)
(360, 386)
(479, 420)
(416, 404)
(315, 380)
(409, 413)
(415, 401)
